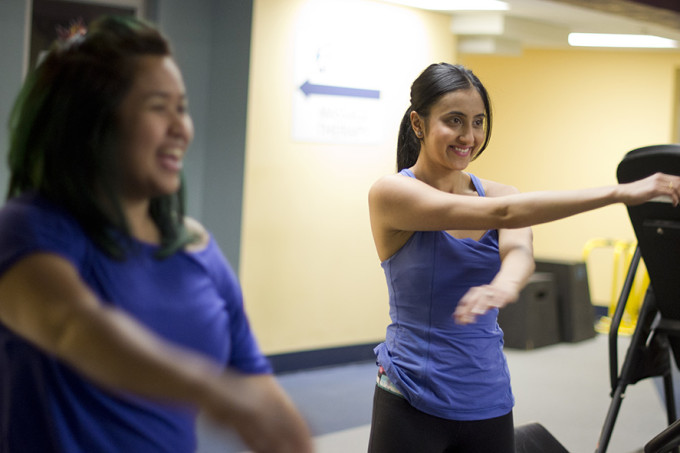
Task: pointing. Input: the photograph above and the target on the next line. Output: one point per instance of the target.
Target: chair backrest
(657, 228)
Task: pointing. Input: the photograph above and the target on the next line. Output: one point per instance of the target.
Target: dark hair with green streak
(64, 132)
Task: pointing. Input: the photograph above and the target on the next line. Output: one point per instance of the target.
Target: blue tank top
(452, 371)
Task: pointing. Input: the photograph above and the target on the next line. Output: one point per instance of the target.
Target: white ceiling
(580, 19)
(546, 24)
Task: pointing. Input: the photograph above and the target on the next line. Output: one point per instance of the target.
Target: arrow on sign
(310, 88)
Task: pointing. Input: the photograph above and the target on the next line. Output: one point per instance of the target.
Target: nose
(181, 126)
(467, 134)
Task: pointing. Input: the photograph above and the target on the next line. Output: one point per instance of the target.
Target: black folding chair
(657, 333)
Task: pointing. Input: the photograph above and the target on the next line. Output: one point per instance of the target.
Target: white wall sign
(336, 96)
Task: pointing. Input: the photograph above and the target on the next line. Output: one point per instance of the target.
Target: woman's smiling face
(156, 130)
(454, 130)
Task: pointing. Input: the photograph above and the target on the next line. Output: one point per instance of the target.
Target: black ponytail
(408, 145)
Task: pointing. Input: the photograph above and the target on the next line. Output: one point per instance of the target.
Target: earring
(419, 134)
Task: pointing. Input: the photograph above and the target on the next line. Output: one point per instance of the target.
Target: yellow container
(622, 255)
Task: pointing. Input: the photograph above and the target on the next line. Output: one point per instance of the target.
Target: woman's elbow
(513, 218)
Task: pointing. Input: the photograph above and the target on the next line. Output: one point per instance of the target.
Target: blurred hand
(260, 412)
(479, 299)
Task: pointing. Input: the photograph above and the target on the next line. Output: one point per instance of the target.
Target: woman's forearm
(516, 269)
(533, 208)
(43, 299)
(115, 351)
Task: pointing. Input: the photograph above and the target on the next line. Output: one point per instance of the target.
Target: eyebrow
(162, 94)
(456, 112)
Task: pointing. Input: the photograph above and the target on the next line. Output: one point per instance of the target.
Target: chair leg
(629, 367)
(671, 410)
(610, 420)
(669, 394)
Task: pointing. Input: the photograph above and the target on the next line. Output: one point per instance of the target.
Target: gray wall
(12, 19)
(211, 41)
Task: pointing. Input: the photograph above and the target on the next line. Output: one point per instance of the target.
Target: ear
(417, 124)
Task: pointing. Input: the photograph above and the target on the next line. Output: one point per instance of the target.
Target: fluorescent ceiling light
(455, 5)
(618, 40)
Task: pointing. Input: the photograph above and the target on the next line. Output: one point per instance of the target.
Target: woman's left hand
(480, 299)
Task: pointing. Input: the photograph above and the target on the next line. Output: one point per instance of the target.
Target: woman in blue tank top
(455, 249)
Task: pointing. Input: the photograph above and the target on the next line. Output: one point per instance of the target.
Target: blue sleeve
(30, 224)
(245, 353)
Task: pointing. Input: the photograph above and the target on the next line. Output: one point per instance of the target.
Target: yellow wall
(563, 120)
(310, 274)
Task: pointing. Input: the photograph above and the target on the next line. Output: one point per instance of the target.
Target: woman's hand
(656, 185)
(480, 299)
(260, 412)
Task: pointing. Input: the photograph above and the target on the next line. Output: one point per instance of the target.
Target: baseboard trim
(600, 311)
(318, 358)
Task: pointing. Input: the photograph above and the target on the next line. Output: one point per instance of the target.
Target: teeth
(176, 152)
(171, 159)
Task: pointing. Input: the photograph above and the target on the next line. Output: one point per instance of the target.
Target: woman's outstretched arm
(43, 299)
(400, 203)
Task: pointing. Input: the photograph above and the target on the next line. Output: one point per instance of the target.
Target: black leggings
(398, 427)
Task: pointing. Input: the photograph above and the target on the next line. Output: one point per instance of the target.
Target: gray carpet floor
(565, 387)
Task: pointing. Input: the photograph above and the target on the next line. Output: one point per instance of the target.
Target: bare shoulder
(197, 230)
(497, 189)
(388, 181)
(396, 186)
(382, 188)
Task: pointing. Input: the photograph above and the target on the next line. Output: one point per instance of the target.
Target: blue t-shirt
(191, 299)
(452, 371)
